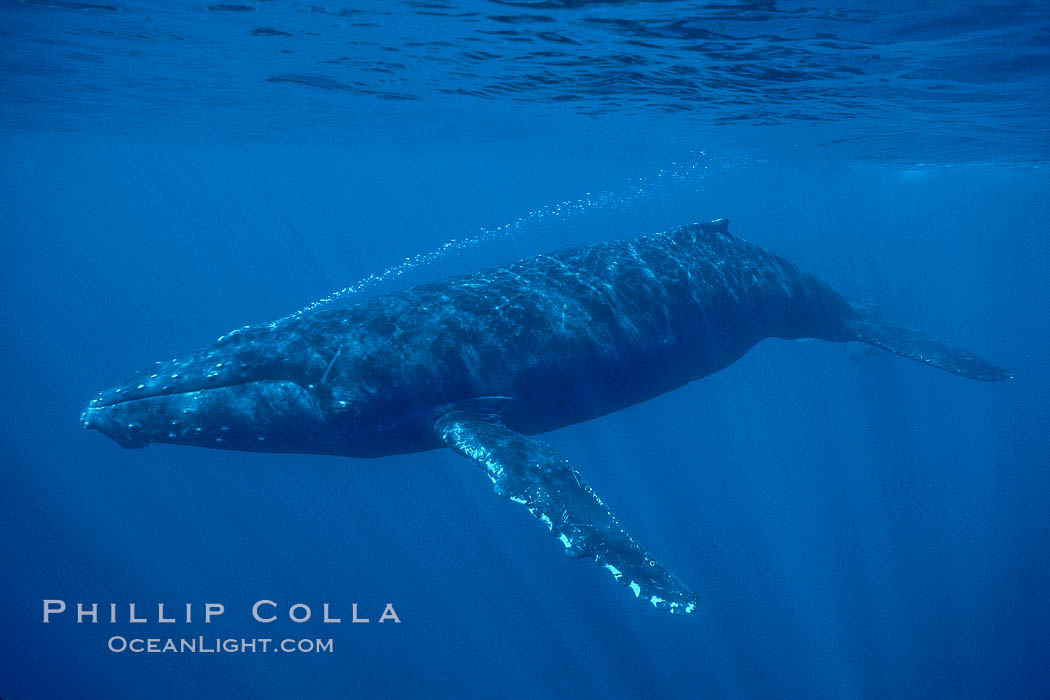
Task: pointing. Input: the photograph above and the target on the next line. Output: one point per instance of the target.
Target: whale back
(570, 335)
(776, 296)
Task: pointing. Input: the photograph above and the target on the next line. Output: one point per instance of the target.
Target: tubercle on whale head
(247, 391)
(255, 416)
(236, 357)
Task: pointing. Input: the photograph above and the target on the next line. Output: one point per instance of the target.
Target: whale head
(253, 389)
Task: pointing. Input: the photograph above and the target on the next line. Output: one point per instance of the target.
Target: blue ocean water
(856, 525)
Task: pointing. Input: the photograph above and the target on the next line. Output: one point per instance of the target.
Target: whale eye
(342, 400)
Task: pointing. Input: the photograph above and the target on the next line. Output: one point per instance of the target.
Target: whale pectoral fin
(531, 473)
(927, 349)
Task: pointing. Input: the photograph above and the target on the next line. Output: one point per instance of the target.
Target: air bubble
(635, 190)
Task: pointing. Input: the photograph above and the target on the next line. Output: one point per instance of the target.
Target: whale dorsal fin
(716, 226)
(531, 473)
(691, 234)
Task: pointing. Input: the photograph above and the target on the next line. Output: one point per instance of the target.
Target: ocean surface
(857, 525)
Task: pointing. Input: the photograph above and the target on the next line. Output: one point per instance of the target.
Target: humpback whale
(482, 362)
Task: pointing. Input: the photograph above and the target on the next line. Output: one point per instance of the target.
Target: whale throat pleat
(533, 474)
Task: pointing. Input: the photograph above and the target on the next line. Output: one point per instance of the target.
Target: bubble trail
(634, 191)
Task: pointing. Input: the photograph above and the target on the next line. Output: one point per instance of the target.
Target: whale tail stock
(926, 349)
(859, 324)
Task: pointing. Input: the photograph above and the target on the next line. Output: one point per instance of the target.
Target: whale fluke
(533, 474)
(928, 350)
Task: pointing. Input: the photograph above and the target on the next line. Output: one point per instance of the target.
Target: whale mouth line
(217, 414)
(108, 402)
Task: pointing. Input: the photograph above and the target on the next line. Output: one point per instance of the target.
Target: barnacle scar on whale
(481, 362)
